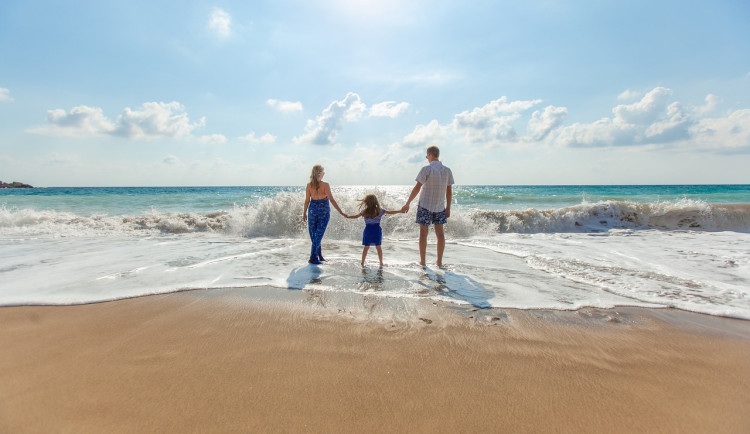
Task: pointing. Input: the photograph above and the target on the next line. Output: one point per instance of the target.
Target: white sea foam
(281, 216)
(685, 254)
(706, 272)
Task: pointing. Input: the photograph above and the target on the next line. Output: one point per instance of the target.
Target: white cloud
(389, 109)
(5, 94)
(603, 132)
(674, 127)
(489, 125)
(629, 95)
(651, 120)
(220, 23)
(712, 101)
(655, 120)
(285, 106)
(156, 119)
(731, 133)
(81, 121)
(493, 122)
(644, 111)
(542, 123)
(213, 139)
(264, 139)
(326, 127)
(151, 120)
(426, 135)
(171, 160)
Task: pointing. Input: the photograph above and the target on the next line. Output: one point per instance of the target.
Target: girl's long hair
(369, 206)
(315, 175)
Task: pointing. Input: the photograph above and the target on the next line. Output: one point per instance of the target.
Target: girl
(373, 234)
(317, 212)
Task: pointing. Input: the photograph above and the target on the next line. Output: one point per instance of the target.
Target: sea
(523, 247)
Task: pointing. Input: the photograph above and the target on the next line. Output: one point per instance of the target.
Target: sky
(532, 92)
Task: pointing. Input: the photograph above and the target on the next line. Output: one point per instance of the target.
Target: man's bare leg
(423, 230)
(440, 244)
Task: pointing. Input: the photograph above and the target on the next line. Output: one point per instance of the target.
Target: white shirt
(435, 179)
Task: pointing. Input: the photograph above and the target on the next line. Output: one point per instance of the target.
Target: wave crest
(281, 217)
(684, 214)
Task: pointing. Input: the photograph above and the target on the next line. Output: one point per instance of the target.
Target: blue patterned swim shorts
(426, 217)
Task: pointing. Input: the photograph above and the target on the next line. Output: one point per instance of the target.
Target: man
(434, 202)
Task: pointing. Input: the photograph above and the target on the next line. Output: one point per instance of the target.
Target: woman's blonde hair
(371, 206)
(315, 175)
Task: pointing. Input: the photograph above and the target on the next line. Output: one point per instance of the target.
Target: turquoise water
(556, 196)
(88, 201)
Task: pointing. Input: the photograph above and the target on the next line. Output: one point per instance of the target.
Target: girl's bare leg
(364, 254)
(380, 254)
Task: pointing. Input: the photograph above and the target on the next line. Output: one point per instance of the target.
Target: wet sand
(223, 361)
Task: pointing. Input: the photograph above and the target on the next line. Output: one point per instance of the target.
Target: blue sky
(255, 93)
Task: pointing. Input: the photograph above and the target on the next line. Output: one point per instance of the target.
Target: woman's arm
(307, 203)
(333, 201)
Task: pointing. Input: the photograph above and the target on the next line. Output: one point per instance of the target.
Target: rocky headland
(15, 184)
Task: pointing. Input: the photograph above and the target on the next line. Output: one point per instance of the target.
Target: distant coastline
(15, 184)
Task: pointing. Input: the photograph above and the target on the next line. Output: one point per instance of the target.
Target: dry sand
(220, 361)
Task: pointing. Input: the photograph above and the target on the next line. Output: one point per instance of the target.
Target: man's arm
(414, 193)
(448, 198)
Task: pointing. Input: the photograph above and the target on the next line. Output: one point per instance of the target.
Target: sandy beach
(231, 361)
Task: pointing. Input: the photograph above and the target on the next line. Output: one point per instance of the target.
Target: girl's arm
(353, 216)
(333, 201)
(398, 211)
(307, 203)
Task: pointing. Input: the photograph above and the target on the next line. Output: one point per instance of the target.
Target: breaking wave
(281, 217)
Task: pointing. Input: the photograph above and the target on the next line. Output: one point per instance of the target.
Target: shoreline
(294, 298)
(249, 360)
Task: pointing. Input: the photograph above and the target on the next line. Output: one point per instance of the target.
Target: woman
(317, 212)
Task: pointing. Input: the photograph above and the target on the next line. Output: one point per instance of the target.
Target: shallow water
(88, 245)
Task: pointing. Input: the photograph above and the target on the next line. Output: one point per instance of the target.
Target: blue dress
(318, 215)
(373, 234)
